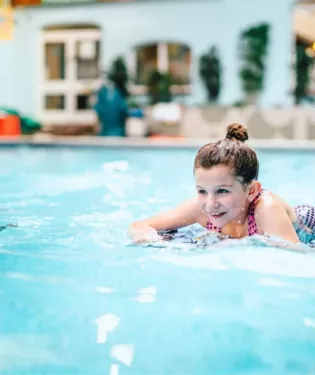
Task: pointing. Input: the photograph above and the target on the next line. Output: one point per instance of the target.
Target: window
(179, 63)
(146, 62)
(54, 102)
(172, 58)
(82, 102)
(88, 56)
(55, 61)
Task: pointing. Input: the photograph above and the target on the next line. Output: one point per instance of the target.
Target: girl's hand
(148, 235)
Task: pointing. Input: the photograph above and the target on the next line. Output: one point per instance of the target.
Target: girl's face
(222, 196)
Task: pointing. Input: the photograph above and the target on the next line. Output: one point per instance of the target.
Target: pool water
(77, 298)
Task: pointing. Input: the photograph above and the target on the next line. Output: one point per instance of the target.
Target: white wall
(199, 23)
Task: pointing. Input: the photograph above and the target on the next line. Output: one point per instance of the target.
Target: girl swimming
(230, 200)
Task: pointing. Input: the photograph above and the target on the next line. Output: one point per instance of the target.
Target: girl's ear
(253, 189)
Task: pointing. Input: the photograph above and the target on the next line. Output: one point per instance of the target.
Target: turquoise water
(77, 298)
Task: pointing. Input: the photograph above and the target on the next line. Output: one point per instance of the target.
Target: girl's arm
(147, 230)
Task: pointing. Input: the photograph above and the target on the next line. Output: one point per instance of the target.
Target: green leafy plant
(159, 87)
(210, 73)
(118, 74)
(253, 52)
(302, 72)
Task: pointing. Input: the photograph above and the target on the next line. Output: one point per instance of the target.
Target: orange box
(10, 126)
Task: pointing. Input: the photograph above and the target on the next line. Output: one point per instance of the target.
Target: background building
(59, 48)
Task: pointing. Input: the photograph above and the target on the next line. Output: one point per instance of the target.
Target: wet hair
(231, 151)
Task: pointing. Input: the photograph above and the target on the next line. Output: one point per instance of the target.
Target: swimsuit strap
(252, 226)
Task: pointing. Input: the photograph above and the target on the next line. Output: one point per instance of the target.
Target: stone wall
(262, 123)
(293, 123)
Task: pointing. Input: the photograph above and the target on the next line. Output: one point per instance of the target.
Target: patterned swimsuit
(304, 225)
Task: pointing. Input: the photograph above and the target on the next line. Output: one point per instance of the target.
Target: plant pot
(252, 98)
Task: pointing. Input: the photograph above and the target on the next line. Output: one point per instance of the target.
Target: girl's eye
(202, 191)
(222, 191)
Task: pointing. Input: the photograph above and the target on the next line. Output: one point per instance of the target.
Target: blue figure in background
(112, 111)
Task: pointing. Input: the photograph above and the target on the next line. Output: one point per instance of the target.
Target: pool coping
(141, 142)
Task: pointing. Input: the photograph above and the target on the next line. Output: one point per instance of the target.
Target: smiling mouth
(217, 215)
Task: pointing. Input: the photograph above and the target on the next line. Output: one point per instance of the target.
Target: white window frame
(70, 86)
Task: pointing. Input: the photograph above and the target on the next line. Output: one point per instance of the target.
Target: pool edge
(133, 142)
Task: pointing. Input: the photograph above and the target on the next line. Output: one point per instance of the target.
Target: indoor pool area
(78, 298)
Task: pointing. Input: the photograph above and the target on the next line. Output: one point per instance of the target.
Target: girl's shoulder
(268, 201)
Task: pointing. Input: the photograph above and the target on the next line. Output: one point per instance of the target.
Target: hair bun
(237, 131)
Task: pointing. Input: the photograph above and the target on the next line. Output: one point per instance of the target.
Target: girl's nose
(212, 203)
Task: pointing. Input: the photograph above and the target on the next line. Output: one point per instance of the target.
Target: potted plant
(159, 87)
(210, 73)
(118, 75)
(302, 71)
(253, 52)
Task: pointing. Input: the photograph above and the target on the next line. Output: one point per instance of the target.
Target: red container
(10, 126)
